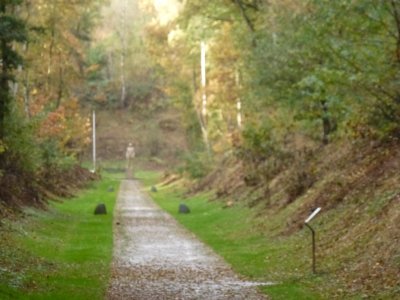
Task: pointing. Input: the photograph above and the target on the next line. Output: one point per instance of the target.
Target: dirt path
(155, 258)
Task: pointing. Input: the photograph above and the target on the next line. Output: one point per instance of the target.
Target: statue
(130, 154)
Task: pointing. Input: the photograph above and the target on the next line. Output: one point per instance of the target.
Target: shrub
(197, 165)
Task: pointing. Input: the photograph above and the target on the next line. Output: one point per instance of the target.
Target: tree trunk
(60, 86)
(123, 53)
(123, 84)
(9, 58)
(4, 87)
(326, 123)
(3, 80)
(396, 15)
(203, 115)
(110, 66)
(27, 95)
(238, 101)
(50, 59)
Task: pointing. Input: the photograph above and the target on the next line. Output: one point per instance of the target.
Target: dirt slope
(157, 136)
(357, 185)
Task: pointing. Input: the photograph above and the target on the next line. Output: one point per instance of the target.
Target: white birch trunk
(238, 102)
(203, 80)
(203, 117)
(123, 52)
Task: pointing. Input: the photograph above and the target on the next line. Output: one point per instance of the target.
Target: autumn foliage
(43, 130)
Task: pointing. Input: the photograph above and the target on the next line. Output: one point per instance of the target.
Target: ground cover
(63, 252)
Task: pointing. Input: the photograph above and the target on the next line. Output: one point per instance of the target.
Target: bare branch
(241, 6)
(397, 19)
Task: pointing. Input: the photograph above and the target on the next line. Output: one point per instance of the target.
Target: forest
(282, 106)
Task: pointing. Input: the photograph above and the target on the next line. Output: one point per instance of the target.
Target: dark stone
(183, 209)
(153, 189)
(100, 209)
(110, 189)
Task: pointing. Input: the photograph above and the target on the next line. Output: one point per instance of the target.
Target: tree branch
(241, 6)
(397, 19)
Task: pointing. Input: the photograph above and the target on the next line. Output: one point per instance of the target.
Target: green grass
(148, 178)
(61, 253)
(241, 240)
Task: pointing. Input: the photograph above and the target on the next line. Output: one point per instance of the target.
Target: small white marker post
(313, 214)
(94, 140)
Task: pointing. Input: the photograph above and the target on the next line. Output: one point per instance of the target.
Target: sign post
(313, 214)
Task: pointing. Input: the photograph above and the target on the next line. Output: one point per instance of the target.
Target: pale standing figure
(130, 154)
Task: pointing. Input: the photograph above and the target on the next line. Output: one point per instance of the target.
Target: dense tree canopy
(328, 67)
(281, 76)
(43, 63)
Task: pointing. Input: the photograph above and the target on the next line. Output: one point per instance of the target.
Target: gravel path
(155, 258)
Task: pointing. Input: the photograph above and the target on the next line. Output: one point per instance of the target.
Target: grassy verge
(61, 253)
(244, 243)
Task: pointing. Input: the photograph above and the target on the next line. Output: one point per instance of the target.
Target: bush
(52, 156)
(19, 145)
(263, 154)
(197, 165)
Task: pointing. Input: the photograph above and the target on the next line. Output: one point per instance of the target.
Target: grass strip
(236, 234)
(61, 253)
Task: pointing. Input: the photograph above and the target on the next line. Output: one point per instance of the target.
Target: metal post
(313, 214)
(94, 140)
(313, 247)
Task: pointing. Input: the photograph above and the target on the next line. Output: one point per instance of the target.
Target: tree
(12, 29)
(125, 73)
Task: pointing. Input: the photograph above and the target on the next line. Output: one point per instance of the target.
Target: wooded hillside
(43, 80)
